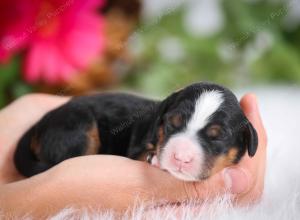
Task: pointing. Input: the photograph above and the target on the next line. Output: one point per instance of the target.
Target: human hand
(116, 182)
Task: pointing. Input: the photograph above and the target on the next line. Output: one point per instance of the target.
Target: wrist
(26, 197)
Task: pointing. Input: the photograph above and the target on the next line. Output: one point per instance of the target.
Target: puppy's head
(200, 130)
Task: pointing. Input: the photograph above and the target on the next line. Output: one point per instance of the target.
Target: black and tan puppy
(192, 134)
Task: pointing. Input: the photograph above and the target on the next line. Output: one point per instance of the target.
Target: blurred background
(70, 47)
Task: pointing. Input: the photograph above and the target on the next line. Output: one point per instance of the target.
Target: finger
(255, 166)
(251, 110)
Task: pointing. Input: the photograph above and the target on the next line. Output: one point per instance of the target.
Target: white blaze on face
(183, 155)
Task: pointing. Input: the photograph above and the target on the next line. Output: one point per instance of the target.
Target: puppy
(192, 134)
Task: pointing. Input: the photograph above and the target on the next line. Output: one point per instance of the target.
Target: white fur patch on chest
(206, 105)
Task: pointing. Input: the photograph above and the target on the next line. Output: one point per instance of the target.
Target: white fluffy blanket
(280, 109)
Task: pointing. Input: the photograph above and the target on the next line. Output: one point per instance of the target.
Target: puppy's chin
(183, 176)
(186, 176)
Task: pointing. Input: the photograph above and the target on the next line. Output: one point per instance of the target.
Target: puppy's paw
(154, 161)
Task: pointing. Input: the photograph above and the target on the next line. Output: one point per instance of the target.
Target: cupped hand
(113, 182)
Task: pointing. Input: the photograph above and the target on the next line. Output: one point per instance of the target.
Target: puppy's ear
(250, 139)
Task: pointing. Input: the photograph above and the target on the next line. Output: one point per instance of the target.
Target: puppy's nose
(184, 157)
(182, 154)
(182, 160)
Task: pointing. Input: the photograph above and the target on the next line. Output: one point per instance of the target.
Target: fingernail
(236, 180)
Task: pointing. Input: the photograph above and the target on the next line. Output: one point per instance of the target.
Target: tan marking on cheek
(224, 161)
(151, 148)
(161, 136)
(143, 156)
(161, 139)
(93, 146)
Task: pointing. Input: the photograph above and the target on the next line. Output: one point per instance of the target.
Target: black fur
(126, 125)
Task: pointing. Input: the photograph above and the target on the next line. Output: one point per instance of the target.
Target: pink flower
(15, 17)
(61, 37)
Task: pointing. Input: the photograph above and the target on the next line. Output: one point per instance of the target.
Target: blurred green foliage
(257, 49)
(11, 83)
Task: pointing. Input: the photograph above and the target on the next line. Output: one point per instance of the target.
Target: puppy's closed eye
(214, 131)
(174, 121)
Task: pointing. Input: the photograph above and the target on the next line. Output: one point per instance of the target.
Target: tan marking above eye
(214, 131)
(176, 120)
